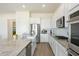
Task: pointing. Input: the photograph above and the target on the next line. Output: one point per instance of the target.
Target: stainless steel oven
(74, 33)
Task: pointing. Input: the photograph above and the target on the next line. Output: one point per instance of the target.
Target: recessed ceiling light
(43, 5)
(23, 6)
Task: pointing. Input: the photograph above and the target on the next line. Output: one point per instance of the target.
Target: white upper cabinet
(68, 9)
(45, 23)
(34, 20)
(70, 6)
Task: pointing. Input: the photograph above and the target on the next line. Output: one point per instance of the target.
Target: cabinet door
(53, 44)
(33, 47)
(54, 47)
(50, 41)
(60, 50)
(57, 50)
(28, 50)
(44, 37)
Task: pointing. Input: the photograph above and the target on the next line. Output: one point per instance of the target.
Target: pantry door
(10, 28)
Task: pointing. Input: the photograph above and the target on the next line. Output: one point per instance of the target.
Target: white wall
(3, 24)
(22, 22)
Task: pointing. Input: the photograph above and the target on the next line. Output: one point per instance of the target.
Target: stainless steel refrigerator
(35, 30)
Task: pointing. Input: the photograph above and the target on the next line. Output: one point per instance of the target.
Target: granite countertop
(12, 48)
(63, 42)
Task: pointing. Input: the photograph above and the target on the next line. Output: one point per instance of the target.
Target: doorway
(11, 28)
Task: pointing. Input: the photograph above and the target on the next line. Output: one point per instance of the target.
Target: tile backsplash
(60, 32)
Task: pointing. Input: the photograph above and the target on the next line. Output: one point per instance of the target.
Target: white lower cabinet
(57, 48)
(44, 38)
(54, 47)
(60, 50)
(50, 43)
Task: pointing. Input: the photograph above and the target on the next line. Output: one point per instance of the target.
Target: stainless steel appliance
(60, 23)
(35, 30)
(74, 34)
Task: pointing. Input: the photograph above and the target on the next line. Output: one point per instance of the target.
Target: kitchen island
(14, 47)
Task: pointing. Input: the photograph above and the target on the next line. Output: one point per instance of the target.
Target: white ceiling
(32, 7)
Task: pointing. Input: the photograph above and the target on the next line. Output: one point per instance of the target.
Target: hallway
(43, 49)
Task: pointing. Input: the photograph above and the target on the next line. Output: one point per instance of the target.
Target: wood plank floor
(43, 49)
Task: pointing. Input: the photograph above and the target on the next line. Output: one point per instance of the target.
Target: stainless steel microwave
(60, 23)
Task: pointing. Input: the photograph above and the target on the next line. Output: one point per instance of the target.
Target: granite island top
(12, 47)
